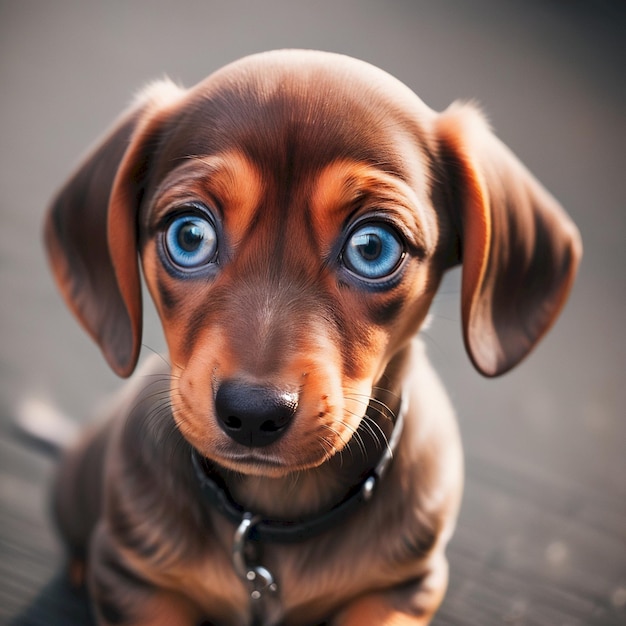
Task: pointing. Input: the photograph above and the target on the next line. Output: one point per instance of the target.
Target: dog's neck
(317, 490)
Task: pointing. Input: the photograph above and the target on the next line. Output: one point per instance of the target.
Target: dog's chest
(314, 579)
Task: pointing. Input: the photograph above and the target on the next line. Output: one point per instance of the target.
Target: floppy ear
(519, 249)
(91, 233)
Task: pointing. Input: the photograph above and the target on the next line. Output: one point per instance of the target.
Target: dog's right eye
(191, 241)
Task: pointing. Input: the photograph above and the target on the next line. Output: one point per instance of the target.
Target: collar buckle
(258, 578)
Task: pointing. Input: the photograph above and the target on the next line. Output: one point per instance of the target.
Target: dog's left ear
(519, 249)
(91, 230)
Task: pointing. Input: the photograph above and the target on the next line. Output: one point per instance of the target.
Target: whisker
(375, 404)
(371, 424)
(161, 356)
(356, 436)
(338, 435)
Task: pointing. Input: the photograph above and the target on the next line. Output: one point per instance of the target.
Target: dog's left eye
(191, 241)
(373, 251)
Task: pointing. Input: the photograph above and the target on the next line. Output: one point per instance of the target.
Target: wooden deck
(541, 539)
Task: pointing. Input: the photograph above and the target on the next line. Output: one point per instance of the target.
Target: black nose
(254, 415)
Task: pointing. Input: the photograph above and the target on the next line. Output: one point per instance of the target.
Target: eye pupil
(369, 246)
(190, 237)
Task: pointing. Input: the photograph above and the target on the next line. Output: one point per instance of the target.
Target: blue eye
(191, 241)
(373, 251)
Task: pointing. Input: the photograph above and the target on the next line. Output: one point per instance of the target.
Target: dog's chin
(257, 462)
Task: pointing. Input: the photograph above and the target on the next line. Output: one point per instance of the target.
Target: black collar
(281, 531)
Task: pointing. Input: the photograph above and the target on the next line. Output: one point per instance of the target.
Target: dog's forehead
(292, 110)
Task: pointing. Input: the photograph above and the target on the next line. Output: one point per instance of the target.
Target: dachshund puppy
(294, 460)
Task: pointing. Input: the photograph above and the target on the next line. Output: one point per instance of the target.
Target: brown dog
(293, 215)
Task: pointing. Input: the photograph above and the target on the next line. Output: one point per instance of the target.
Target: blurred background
(541, 537)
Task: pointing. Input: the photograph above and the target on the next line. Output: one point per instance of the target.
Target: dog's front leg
(122, 597)
(413, 603)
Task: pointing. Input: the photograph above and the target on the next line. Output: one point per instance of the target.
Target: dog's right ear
(91, 232)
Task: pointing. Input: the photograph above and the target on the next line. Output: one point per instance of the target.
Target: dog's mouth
(276, 462)
(257, 462)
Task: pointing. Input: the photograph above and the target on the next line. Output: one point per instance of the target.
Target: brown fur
(288, 150)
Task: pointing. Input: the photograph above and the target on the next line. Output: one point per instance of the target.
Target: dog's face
(294, 214)
(290, 255)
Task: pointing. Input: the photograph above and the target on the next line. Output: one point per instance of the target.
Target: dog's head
(293, 215)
